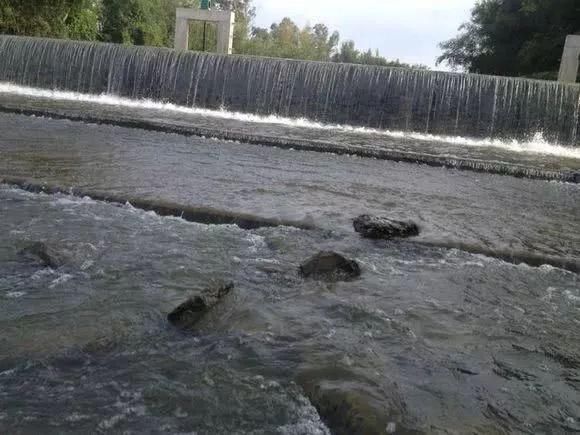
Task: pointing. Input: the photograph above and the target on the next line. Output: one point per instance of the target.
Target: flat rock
(375, 227)
(191, 311)
(44, 254)
(331, 267)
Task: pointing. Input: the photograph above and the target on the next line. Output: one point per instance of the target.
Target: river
(472, 327)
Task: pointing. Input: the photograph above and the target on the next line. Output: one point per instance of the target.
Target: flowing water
(387, 98)
(441, 340)
(471, 327)
(533, 158)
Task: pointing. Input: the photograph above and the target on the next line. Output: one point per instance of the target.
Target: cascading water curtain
(378, 97)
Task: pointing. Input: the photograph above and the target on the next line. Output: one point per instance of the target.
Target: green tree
(513, 37)
(324, 42)
(75, 19)
(139, 22)
(287, 37)
(152, 22)
(287, 40)
(347, 53)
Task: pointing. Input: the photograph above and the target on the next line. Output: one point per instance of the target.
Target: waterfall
(369, 96)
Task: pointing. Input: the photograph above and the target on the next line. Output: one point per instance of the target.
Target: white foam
(536, 145)
(256, 242)
(87, 265)
(60, 280)
(15, 295)
(76, 417)
(267, 260)
(572, 296)
(39, 274)
(8, 372)
(109, 423)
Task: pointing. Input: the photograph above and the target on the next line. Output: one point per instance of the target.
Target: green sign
(205, 4)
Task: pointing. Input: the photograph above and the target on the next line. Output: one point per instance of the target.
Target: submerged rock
(191, 311)
(44, 254)
(331, 267)
(345, 412)
(375, 227)
(353, 411)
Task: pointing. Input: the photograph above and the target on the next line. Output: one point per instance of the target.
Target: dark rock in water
(345, 412)
(331, 267)
(466, 371)
(44, 254)
(191, 311)
(353, 411)
(374, 227)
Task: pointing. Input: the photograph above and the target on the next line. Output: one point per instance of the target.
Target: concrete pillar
(181, 34)
(225, 21)
(570, 60)
(225, 31)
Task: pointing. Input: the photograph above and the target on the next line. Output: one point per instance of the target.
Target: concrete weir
(203, 215)
(385, 98)
(250, 222)
(514, 170)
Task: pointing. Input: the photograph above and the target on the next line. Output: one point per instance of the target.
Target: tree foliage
(138, 22)
(513, 37)
(152, 22)
(75, 19)
(287, 40)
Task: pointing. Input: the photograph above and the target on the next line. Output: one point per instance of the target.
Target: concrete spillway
(377, 97)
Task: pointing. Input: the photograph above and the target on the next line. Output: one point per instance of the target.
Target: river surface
(435, 339)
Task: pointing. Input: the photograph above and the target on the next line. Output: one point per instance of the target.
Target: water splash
(536, 145)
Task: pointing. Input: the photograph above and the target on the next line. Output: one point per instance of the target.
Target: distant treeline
(152, 22)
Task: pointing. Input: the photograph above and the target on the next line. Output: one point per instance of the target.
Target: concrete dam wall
(377, 97)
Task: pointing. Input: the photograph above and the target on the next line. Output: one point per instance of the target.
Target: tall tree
(513, 37)
(285, 39)
(347, 53)
(324, 42)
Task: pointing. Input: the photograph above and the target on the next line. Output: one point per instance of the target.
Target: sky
(408, 30)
